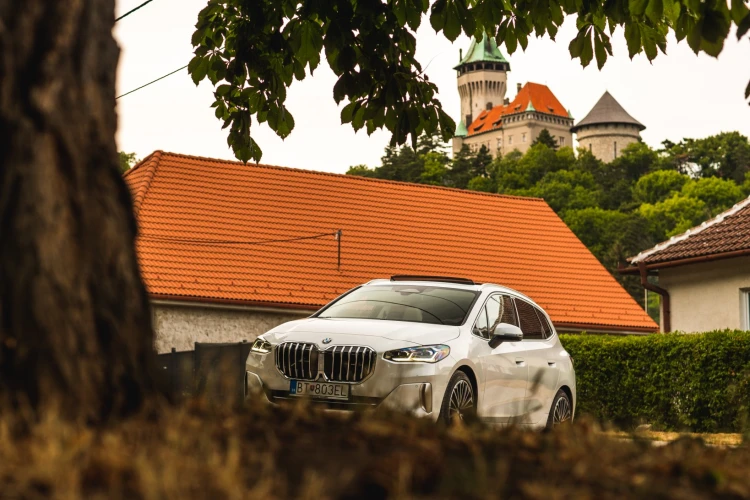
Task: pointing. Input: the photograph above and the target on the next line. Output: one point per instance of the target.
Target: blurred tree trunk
(75, 326)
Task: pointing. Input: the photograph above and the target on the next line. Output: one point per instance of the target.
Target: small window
(745, 309)
(499, 142)
(489, 106)
(480, 326)
(589, 147)
(523, 137)
(530, 324)
(561, 140)
(508, 314)
(510, 139)
(615, 149)
(546, 327)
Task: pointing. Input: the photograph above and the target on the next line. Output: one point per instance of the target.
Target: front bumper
(415, 388)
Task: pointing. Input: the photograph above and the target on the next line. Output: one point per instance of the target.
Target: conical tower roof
(484, 51)
(607, 111)
(461, 130)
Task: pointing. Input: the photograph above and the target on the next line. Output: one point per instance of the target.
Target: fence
(213, 371)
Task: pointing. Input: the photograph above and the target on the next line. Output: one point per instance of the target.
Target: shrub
(676, 381)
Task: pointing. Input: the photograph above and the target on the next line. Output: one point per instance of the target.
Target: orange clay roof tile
(208, 230)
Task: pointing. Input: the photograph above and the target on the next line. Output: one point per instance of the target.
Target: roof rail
(444, 279)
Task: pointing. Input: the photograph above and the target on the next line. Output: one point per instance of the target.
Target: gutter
(682, 262)
(666, 309)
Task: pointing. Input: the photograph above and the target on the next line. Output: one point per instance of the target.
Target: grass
(198, 451)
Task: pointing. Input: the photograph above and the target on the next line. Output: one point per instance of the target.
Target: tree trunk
(75, 326)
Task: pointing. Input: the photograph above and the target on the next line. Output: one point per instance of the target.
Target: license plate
(318, 390)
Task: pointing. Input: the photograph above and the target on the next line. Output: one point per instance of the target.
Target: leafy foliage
(545, 138)
(252, 52)
(127, 160)
(697, 382)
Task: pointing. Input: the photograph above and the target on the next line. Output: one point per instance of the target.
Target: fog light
(425, 397)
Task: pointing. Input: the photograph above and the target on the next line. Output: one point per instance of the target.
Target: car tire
(460, 400)
(561, 411)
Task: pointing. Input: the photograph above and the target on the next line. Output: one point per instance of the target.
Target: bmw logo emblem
(327, 340)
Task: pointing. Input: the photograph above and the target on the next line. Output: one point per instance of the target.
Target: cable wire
(154, 81)
(133, 10)
(199, 241)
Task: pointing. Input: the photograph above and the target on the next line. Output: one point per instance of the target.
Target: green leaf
(637, 7)
(655, 10)
(649, 47)
(743, 27)
(587, 54)
(348, 112)
(633, 38)
(739, 11)
(358, 120)
(452, 23)
(399, 9)
(576, 46)
(511, 42)
(601, 53)
(437, 15)
(199, 69)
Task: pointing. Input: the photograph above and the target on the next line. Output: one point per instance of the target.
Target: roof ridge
(692, 231)
(151, 163)
(359, 178)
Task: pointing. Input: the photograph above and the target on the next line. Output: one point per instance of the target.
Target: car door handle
(520, 362)
(552, 364)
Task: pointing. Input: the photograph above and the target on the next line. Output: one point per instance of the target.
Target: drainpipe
(666, 310)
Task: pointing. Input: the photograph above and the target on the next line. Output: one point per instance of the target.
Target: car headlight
(421, 354)
(261, 346)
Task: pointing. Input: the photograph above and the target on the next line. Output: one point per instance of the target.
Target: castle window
(615, 149)
(589, 147)
(499, 142)
(510, 139)
(523, 137)
(561, 140)
(489, 106)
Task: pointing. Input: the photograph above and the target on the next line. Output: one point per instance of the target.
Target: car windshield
(419, 304)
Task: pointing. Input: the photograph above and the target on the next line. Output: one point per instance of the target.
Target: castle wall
(606, 142)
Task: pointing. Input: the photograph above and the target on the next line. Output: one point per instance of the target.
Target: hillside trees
(616, 209)
(252, 52)
(75, 325)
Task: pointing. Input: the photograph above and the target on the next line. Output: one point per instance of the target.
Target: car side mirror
(505, 332)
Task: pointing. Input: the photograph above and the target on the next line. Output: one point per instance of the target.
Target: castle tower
(482, 80)
(607, 129)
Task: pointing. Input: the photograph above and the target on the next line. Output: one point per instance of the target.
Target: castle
(490, 119)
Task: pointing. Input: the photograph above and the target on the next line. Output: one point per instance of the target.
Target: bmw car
(440, 348)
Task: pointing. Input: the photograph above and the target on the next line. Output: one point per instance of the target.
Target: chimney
(518, 87)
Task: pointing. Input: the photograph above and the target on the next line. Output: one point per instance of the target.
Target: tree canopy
(252, 52)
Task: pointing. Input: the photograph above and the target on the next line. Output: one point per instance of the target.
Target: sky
(677, 95)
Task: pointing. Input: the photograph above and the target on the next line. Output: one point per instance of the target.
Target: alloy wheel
(562, 412)
(462, 400)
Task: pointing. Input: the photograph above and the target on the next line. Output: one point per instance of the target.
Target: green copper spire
(461, 130)
(484, 51)
(530, 107)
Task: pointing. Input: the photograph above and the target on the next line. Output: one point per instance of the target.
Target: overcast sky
(679, 95)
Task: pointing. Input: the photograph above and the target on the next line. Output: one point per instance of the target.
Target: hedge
(680, 382)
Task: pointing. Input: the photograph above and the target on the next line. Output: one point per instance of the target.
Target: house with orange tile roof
(490, 119)
(703, 274)
(228, 250)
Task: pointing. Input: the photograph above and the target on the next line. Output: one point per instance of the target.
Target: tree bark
(75, 325)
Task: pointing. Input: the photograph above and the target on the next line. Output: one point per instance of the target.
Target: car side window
(546, 327)
(509, 312)
(494, 307)
(480, 327)
(530, 324)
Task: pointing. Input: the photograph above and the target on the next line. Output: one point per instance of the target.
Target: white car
(440, 348)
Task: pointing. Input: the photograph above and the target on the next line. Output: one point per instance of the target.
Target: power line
(154, 81)
(200, 241)
(133, 10)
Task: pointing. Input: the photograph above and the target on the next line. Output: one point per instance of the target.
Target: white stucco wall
(707, 296)
(180, 326)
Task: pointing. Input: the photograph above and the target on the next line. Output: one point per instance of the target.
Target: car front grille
(348, 363)
(297, 360)
(300, 360)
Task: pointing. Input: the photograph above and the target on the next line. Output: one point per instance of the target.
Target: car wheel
(459, 402)
(561, 411)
